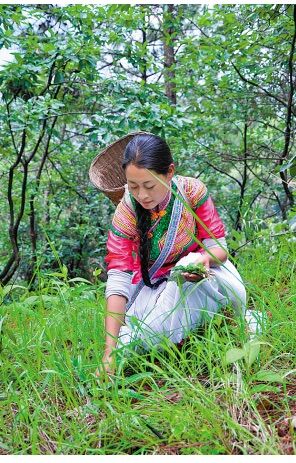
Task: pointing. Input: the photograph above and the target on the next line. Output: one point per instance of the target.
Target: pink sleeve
(120, 253)
(122, 239)
(211, 219)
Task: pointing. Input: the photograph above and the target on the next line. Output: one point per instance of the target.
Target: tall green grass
(194, 399)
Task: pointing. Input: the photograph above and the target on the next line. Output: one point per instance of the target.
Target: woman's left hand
(201, 259)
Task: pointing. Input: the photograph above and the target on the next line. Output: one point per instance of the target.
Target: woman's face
(145, 187)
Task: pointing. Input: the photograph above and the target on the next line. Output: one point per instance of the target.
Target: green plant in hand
(194, 269)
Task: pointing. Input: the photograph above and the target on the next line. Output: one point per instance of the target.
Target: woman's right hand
(114, 319)
(106, 369)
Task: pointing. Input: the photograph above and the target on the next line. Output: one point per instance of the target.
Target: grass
(189, 399)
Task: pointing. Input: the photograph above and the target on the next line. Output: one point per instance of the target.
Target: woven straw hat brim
(106, 171)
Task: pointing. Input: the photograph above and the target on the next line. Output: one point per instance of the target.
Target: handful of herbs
(194, 269)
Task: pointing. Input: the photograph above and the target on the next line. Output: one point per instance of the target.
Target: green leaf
(251, 352)
(290, 165)
(53, 372)
(32, 300)
(83, 280)
(137, 377)
(64, 271)
(268, 376)
(233, 355)
(59, 77)
(8, 332)
(130, 393)
(55, 274)
(47, 298)
(91, 129)
(264, 388)
(97, 272)
(293, 170)
(7, 289)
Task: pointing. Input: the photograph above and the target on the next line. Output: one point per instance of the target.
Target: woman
(153, 230)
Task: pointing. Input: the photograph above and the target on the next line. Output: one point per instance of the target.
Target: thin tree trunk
(238, 221)
(144, 60)
(33, 224)
(13, 263)
(47, 206)
(169, 53)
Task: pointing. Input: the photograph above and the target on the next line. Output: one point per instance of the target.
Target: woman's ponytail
(143, 225)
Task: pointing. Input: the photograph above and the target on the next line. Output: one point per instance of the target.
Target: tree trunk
(169, 53)
(238, 221)
(33, 223)
(144, 60)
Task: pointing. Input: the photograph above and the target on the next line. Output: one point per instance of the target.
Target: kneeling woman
(153, 231)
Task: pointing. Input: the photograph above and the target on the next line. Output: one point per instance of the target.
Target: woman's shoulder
(195, 190)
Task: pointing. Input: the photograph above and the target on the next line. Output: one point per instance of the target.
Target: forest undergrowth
(223, 391)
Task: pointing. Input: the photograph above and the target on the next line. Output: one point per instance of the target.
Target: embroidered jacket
(123, 238)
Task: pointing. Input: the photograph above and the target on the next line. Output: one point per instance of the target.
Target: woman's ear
(171, 171)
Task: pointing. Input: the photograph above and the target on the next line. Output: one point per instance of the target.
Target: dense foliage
(216, 81)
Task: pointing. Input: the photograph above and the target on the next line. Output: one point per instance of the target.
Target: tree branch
(224, 173)
(254, 84)
(68, 183)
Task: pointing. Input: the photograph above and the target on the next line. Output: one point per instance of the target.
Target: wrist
(217, 259)
(108, 351)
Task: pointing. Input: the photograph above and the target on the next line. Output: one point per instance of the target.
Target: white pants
(173, 310)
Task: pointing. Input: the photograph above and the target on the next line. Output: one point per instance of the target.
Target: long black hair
(150, 152)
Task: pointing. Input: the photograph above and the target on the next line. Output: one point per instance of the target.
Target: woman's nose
(142, 195)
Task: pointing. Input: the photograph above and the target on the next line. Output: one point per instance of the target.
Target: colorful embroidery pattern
(160, 228)
(124, 221)
(195, 191)
(196, 194)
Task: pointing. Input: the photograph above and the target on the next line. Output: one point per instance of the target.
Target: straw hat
(106, 171)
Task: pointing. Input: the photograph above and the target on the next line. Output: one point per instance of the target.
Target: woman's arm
(114, 319)
(117, 294)
(215, 257)
(120, 267)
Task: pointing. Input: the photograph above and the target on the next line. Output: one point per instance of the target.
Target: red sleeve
(122, 238)
(120, 253)
(211, 219)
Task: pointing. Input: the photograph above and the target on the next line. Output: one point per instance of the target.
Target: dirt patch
(271, 405)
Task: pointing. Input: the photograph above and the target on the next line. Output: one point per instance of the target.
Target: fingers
(104, 374)
(192, 277)
(105, 370)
